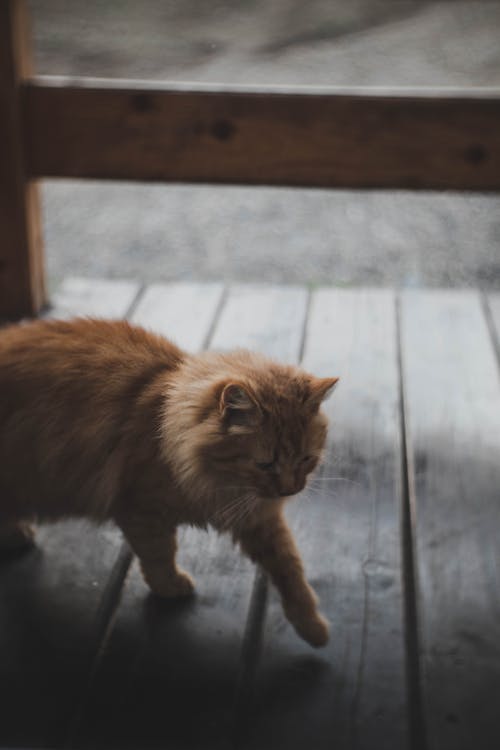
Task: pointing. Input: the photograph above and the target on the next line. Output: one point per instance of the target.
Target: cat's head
(255, 425)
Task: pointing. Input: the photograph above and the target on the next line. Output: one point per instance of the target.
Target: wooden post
(22, 289)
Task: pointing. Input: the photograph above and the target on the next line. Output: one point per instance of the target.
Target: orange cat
(107, 421)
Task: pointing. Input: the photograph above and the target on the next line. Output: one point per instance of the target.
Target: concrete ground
(346, 237)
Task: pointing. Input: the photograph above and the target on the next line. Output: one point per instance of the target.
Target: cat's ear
(238, 405)
(321, 389)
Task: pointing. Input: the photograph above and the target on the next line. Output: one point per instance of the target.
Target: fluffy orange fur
(107, 421)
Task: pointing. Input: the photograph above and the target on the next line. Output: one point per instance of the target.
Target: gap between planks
(414, 687)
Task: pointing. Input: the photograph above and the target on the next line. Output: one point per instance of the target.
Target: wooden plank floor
(399, 533)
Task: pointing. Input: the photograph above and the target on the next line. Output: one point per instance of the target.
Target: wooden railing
(364, 138)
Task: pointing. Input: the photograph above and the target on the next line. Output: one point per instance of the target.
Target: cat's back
(83, 375)
(70, 392)
(83, 348)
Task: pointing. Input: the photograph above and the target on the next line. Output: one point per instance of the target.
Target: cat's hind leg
(155, 544)
(16, 536)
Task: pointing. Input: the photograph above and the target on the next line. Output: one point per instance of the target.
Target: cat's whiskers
(310, 491)
(246, 510)
(221, 514)
(227, 515)
(233, 500)
(238, 508)
(234, 518)
(332, 479)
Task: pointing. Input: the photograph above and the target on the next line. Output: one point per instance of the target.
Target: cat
(105, 420)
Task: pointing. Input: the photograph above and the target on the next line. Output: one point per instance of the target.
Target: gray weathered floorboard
(170, 670)
(183, 311)
(352, 693)
(452, 398)
(265, 318)
(99, 298)
(52, 599)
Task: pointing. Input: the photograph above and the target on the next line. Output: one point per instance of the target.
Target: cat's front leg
(271, 544)
(155, 544)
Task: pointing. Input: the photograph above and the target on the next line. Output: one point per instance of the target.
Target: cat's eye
(265, 466)
(306, 459)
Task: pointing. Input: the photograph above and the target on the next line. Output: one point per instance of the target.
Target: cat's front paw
(168, 585)
(311, 626)
(302, 612)
(315, 630)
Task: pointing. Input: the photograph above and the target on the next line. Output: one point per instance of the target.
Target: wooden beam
(22, 290)
(425, 140)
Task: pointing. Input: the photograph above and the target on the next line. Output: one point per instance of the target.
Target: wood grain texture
(433, 140)
(22, 284)
(183, 312)
(452, 398)
(352, 694)
(170, 670)
(54, 601)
